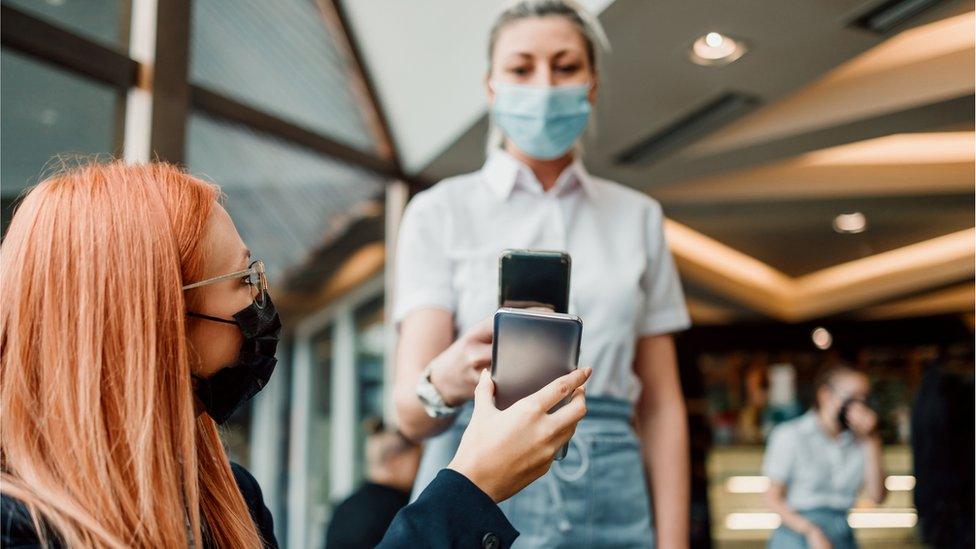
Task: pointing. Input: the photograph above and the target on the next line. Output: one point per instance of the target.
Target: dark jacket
(362, 519)
(451, 512)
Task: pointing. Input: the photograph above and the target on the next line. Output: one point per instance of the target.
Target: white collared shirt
(623, 283)
(819, 472)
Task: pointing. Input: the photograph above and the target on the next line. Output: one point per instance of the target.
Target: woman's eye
(568, 69)
(520, 71)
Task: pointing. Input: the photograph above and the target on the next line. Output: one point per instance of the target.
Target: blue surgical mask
(542, 121)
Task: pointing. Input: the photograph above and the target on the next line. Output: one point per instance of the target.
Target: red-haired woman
(134, 321)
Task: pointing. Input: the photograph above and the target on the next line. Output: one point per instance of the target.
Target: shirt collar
(811, 424)
(504, 172)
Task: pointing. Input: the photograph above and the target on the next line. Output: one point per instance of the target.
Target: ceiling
(837, 119)
(833, 119)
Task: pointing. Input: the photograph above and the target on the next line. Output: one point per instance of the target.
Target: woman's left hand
(862, 419)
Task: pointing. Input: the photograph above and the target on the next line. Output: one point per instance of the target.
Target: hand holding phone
(503, 451)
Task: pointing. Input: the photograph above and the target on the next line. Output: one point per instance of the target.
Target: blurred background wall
(817, 177)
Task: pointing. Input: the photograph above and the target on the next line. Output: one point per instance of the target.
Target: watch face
(427, 393)
(433, 402)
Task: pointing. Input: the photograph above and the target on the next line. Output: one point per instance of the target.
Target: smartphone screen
(530, 278)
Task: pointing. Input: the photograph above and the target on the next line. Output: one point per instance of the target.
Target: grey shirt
(818, 471)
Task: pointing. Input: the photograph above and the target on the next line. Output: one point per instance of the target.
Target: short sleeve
(664, 308)
(779, 458)
(423, 270)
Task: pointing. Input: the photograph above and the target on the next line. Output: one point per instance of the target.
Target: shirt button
(490, 541)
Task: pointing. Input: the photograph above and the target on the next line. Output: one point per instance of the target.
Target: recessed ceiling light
(822, 338)
(716, 49)
(714, 39)
(850, 223)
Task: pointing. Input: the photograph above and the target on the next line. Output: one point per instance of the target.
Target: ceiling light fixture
(716, 49)
(822, 338)
(850, 223)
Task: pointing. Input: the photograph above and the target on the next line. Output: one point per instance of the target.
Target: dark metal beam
(359, 65)
(171, 93)
(224, 107)
(415, 182)
(52, 44)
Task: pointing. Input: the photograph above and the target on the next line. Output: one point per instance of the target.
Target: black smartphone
(530, 349)
(534, 278)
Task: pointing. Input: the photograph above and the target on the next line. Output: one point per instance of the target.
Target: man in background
(391, 465)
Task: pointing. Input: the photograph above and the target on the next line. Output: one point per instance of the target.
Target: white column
(396, 200)
(344, 404)
(301, 407)
(138, 101)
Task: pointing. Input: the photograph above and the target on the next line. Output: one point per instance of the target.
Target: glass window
(370, 343)
(320, 436)
(285, 199)
(106, 21)
(48, 111)
(278, 57)
(235, 434)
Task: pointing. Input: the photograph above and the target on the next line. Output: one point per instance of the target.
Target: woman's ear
(592, 95)
(489, 92)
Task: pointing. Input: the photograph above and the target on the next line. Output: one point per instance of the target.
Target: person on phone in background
(818, 463)
(533, 192)
(134, 322)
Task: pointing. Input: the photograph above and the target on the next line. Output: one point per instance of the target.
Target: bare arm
(776, 500)
(874, 474)
(427, 337)
(663, 430)
(424, 334)
(864, 423)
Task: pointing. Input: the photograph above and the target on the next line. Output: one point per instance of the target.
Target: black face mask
(228, 389)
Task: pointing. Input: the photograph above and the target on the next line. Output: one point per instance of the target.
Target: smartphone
(534, 278)
(530, 349)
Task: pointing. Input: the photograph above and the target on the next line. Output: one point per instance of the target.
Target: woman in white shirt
(533, 192)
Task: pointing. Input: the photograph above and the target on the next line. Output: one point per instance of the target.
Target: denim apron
(594, 498)
(833, 523)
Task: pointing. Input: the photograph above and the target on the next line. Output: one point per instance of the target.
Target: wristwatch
(431, 399)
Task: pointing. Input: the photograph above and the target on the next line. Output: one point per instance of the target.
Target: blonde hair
(100, 438)
(589, 27)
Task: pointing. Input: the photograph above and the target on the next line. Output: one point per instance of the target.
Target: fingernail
(484, 374)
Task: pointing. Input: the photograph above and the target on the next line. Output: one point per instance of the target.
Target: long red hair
(100, 439)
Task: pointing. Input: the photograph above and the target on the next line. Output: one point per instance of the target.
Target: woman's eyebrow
(562, 53)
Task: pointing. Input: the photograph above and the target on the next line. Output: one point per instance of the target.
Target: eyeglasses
(253, 276)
